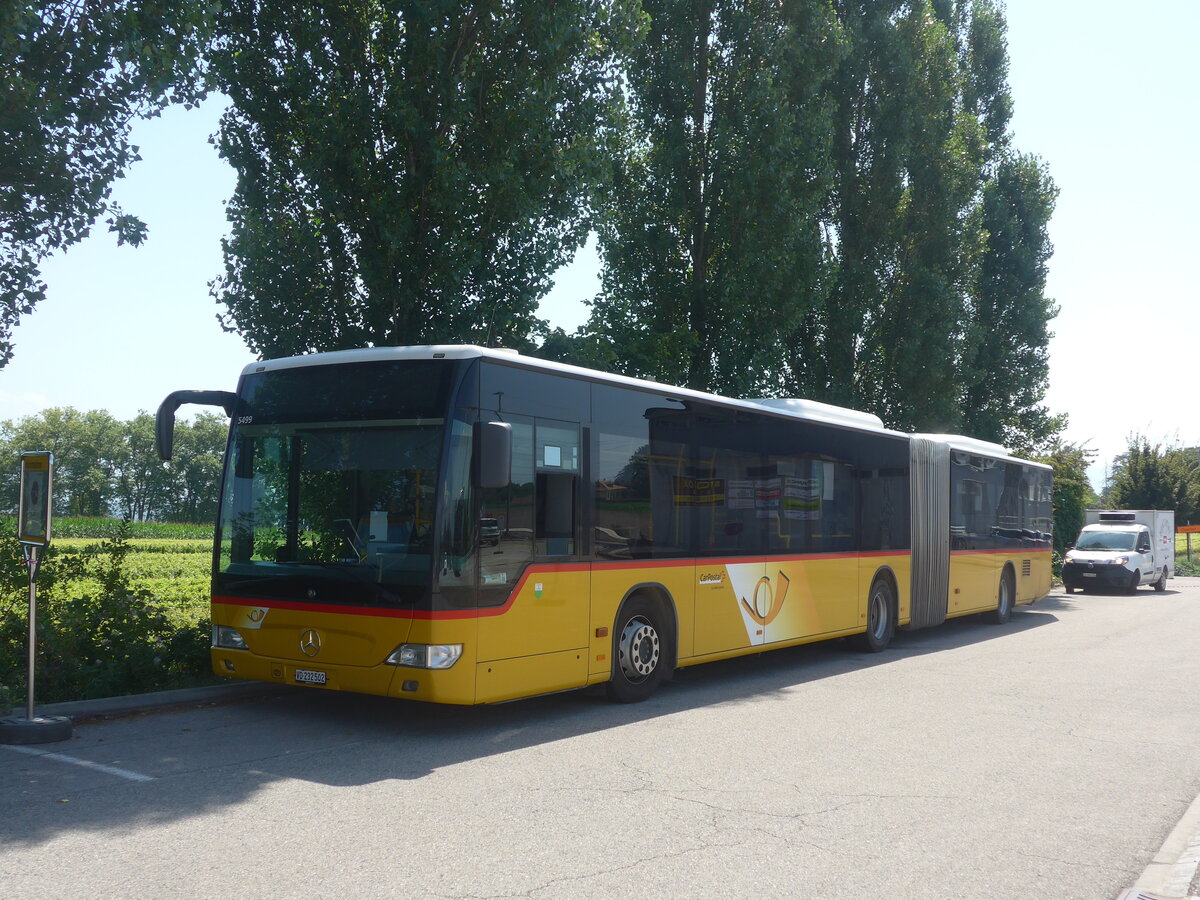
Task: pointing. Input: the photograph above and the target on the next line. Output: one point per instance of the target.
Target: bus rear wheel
(642, 651)
(881, 618)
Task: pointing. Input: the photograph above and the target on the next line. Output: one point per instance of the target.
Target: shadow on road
(203, 760)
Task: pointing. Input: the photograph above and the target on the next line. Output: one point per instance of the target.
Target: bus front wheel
(1004, 603)
(642, 651)
(881, 618)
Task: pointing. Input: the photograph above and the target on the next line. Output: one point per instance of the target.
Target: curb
(1173, 868)
(120, 706)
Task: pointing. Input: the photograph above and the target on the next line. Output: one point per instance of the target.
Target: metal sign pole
(32, 558)
(33, 531)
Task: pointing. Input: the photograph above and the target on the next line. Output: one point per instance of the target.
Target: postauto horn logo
(767, 601)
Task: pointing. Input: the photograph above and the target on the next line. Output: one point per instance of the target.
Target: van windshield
(1106, 540)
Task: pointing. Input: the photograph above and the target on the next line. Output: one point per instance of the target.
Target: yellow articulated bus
(463, 525)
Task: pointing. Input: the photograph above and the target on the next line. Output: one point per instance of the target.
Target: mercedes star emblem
(310, 642)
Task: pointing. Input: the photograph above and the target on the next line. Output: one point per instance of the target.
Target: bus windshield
(327, 502)
(1106, 540)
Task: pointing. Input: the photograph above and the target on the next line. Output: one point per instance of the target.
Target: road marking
(85, 763)
(1171, 871)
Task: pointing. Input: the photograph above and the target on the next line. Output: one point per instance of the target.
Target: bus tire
(1006, 598)
(881, 618)
(1161, 584)
(643, 649)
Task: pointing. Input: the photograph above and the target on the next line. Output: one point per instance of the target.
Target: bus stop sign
(33, 531)
(33, 520)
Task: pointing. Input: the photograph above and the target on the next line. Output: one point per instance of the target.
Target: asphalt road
(1046, 758)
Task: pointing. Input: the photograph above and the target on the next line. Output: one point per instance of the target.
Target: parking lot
(1050, 757)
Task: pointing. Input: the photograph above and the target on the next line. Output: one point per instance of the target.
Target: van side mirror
(493, 454)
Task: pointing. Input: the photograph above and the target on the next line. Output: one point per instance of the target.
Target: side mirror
(493, 454)
(164, 420)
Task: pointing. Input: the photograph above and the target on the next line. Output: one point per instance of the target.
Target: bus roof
(807, 410)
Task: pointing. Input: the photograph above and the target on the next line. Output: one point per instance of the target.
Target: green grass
(176, 573)
(202, 547)
(1184, 566)
(70, 527)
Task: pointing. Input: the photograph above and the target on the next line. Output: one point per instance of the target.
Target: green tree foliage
(87, 448)
(74, 74)
(408, 172)
(936, 318)
(822, 199)
(905, 155)
(1073, 493)
(1006, 364)
(196, 469)
(709, 231)
(1151, 476)
(103, 466)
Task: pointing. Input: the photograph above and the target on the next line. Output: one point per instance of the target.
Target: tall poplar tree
(866, 92)
(936, 318)
(409, 171)
(710, 232)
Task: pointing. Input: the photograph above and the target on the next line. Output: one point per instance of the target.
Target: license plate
(308, 676)
(1089, 574)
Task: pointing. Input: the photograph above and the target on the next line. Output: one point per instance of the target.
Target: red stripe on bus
(1007, 550)
(542, 569)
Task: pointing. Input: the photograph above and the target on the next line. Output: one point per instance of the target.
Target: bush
(1186, 567)
(99, 634)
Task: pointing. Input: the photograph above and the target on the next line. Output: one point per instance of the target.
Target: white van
(1122, 550)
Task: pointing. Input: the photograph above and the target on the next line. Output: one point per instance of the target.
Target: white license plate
(308, 676)
(1089, 574)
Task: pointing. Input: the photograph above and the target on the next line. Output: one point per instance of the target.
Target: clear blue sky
(1105, 92)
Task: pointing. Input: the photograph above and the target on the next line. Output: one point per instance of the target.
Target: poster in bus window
(802, 498)
(699, 491)
(741, 493)
(767, 497)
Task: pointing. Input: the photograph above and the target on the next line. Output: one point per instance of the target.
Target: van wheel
(1004, 603)
(1134, 582)
(1161, 584)
(881, 618)
(642, 651)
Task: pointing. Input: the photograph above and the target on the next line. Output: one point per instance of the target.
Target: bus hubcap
(879, 615)
(639, 649)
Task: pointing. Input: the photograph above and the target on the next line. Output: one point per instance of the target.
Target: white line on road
(85, 763)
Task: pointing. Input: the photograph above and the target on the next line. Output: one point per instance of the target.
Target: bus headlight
(228, 638)
(425, 656)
